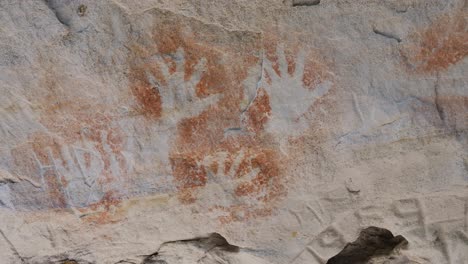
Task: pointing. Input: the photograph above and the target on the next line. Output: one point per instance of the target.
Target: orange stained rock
(44, 149)
(258, 111)
(147, 95)
(254, 170)
(439, 46)
(106, 211)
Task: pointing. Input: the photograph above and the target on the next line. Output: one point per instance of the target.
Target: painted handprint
(230, 179)
(226, 172)
(291, 93)
(171, 92)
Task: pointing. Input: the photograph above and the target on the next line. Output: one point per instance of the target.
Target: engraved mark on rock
(464, 233)
(369, 213)
(406, 208)
(310, 215)
(443, 241)
(317, 250)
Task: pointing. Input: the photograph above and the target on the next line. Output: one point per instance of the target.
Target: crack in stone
(204, 22)
(386, 35)
(439, 108)
(12, 247)
(213, 241)
(305, 2)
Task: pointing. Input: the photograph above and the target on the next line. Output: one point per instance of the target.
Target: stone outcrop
(185, 131)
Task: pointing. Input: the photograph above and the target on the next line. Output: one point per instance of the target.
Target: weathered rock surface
(184, 131)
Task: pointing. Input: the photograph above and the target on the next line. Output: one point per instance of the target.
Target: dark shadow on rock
(305, 2)
(213, 241)
(372, 241)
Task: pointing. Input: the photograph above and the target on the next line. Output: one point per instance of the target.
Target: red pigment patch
(147, 96)
(315, 73)
(44, 149)
(258, 112)
(104, 211)
(187, 172)
(78, 122)
(252, 171)
(81, 132)
(249, 164)
(167, 40)
(255, 178)
(439, 46)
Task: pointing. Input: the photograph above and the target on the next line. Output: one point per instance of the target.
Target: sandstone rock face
(234, 131)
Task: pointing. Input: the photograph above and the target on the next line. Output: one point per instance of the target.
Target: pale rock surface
(135, 131)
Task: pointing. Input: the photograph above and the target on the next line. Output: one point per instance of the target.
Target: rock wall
(234, 131)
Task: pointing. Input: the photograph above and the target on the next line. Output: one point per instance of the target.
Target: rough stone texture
(132, 130)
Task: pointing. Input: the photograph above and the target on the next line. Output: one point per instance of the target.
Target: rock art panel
(198, 96)
(215, 160)
(78, 166)
(140, 131)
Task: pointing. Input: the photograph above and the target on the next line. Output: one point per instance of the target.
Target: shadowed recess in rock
(305, 2)
(69, 261)
(213, 244)
(59, 259)
(372, 242)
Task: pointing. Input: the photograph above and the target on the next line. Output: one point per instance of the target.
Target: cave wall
(131, 131)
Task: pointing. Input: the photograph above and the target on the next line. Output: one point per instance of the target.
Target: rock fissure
(199, 247)
(12, 247)
(386, 34)
(305, 2)
(437, 103)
